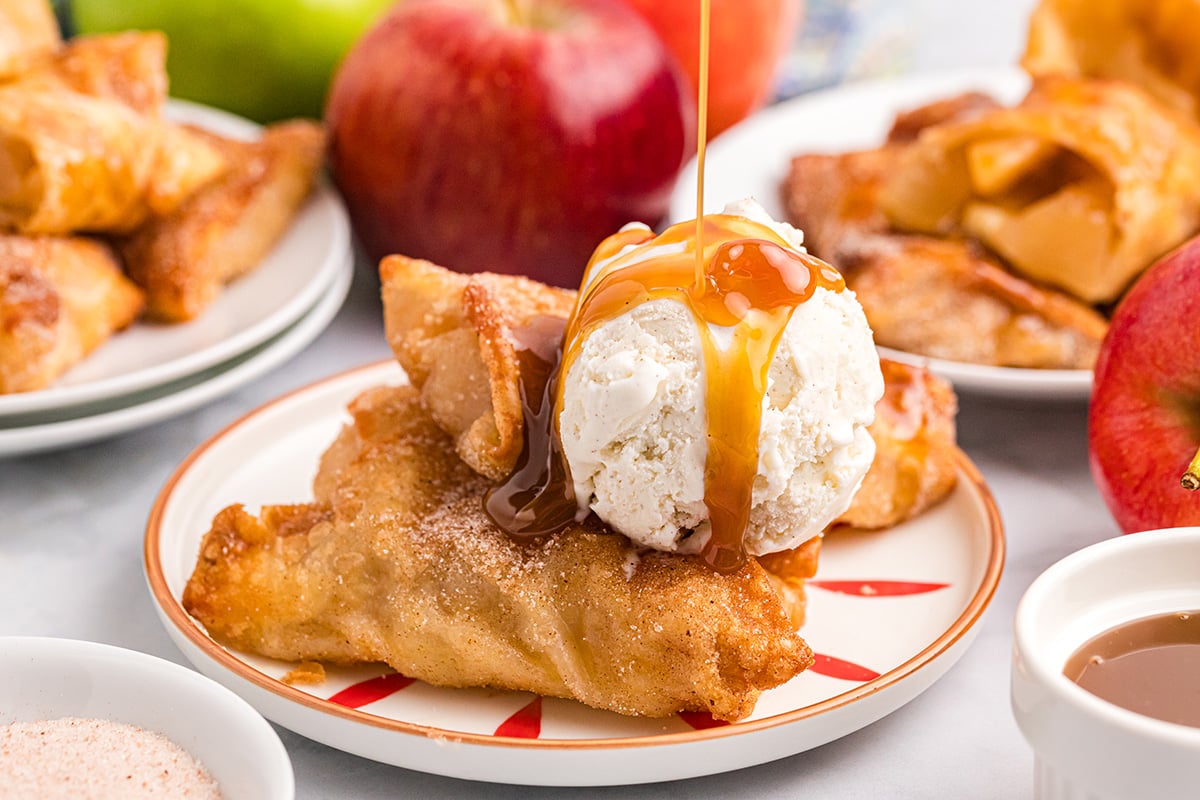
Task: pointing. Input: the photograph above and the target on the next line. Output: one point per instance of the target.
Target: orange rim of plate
(184, 622)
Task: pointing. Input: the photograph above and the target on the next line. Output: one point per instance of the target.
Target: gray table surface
(71, 527)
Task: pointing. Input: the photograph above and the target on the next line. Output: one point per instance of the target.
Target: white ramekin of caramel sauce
(1121, 618)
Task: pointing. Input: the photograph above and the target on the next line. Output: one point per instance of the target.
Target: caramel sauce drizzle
(701, 136)
(538, 497)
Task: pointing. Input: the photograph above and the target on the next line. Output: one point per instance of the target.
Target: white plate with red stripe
(890, 613)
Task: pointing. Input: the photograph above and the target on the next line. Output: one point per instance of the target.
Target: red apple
(1144, 419)
(747, 39)
(507, 135)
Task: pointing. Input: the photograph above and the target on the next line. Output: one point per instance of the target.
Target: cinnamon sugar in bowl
(83, 720)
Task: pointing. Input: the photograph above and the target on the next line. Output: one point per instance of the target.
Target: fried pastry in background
(454, 336)
(908, 124)
(128, 67)
(85, 148)
(184, 258)
(789, 570)
(1151, 44)
(60, 298)
(1081, 186)
(70, 162)
(944, 298)
(28, 32)
(397, 562)
(915, 462)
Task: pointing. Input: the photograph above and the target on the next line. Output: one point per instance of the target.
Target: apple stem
(1191, 478)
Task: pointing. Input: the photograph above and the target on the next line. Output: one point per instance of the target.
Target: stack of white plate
(151, 372)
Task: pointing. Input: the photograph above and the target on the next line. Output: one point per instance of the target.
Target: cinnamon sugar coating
(395, 561)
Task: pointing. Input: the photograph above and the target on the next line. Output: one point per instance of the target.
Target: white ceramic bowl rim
(1049, 672)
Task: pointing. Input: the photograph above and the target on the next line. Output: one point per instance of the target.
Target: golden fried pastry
(834, 199)
(396, 561)
(183, 259)
(943, 298)
(1081, 186)
(454, 336)
(28, 33)
(60, 298)
(789, 570)
(915, 450)
(909, 124)
(1151, 44)
(128, 67)
(947, 299)
(70, 162)
(186, 163)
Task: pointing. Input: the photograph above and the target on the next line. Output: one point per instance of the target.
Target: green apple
(263, 59)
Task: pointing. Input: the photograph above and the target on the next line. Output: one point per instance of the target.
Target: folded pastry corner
(1152, 45)
(455, 336)
(396, 561)
(184, 258)
(28, 33)
(916, 452)
(112, 89)
(71, 162)
(130, 67)
(909, 123)
(789, 571)
(60, 298)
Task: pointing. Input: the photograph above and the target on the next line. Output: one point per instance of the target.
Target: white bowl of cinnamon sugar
(1106, 670)
(82, 720)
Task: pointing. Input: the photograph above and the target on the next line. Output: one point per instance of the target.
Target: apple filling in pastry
(1080, 186)
(944, 297)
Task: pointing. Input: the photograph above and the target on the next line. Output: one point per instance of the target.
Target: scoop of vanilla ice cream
(752, 210)
(634, 430)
